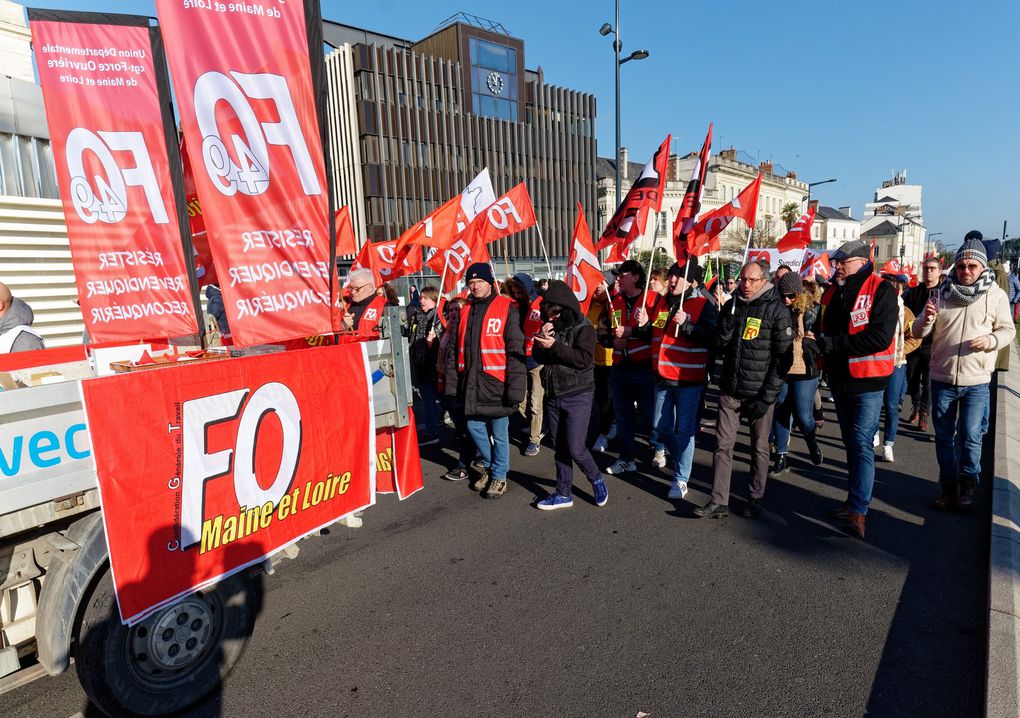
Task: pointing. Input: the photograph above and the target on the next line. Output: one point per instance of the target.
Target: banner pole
(651, 258)
(548, 264)
(506, 256)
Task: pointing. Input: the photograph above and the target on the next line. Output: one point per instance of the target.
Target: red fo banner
(230, 461)
(109, 148)
(398, 461)
(243, 81)
(584, 273)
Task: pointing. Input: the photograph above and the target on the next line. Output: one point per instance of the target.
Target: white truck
(57, 604)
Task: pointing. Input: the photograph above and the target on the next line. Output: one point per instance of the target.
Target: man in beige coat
(971, 322)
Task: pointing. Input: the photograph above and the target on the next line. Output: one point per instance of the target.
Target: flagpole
(651, 259)
(442, 280)
(506, 255)
(548, 264)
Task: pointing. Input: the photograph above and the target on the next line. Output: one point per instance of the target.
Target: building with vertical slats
(410, 123)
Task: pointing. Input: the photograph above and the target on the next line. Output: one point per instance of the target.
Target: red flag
(799, 235)
(437, 229)
(704, 235)
(692, 199)
(453, 261)
(891, 267)
(815, 263)
(508, 215)
(584, 273)
(645, 195)
(345, 242)
(380, 257)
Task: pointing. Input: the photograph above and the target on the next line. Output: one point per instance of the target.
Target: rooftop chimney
(813, 204)
(730, 154)
(766, 167)
(848, 211)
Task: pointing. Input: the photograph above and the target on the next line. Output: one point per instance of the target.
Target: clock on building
(495, 83)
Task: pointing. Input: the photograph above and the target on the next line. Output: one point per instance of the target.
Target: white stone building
(894, 221)
(833, 226)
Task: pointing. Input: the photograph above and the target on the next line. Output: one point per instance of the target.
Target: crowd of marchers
(641, 358)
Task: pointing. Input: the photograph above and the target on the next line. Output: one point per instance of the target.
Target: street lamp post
(606, 29)
(815, 184)
(931, 243)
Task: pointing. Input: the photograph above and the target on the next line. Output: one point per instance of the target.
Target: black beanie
(479, 270)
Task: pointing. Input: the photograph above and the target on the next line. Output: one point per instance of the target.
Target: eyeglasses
(752, 279)
(359, 287)
(789, 296)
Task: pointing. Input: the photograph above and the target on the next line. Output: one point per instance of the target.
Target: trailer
(57, 603)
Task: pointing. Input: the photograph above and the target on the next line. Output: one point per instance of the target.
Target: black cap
(479, 270)
(853, 248)
(631, 266)
(694, 273)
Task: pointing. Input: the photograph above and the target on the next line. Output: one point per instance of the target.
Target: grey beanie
(972, 249)
(790, 283)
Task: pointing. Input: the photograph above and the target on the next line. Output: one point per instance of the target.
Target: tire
(172, 659)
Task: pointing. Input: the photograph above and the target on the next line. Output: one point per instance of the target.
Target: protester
(632, 380)
(447, 385)
(781, 271)
(897, 386)
(521, 289)
(1014, 292)
(491, 376)
(366, 308)
(795, 401)
(729, 289)
(657, 282)
(599, 313)
(214, 306)
(424, 332)
(683, 330)
(969, 322)
(858, 326)
(565, 347)
(16, 317)
(918, 361)
(754, 340)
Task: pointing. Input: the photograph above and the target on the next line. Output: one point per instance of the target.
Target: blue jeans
(893, 394)
(796, 400)
(958, 416)
(496, 455)
(429, 413)
(676, 423)
(858, 416)
(629, 386)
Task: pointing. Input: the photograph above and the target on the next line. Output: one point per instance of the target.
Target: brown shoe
(855, 525)
(841, 512)
(481, 482)
(912, 419)
(965, 500)
(922, 421)
(947, 498)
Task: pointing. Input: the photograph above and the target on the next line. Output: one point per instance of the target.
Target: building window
(493, 79)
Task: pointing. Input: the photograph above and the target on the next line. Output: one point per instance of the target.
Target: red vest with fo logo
(532, 323)
(637, 350)
(368, 325)
(492, 344)
(866, 366)
(674, 355)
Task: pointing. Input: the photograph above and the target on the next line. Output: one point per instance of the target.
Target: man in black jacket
(565, 346)
(754, 342)
(919, 360)
(859, 317)
(491, 378)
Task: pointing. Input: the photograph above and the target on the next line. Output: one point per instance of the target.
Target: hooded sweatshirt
(567, 364)
(17, 315)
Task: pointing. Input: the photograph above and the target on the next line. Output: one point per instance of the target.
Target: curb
(1002, 684)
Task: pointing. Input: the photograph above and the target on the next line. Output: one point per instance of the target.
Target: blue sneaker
(555, 501)
(601, 492)
(532, 449)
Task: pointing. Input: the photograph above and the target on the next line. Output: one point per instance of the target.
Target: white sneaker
(659, 460)
(601, 443)
(612, 431)
(885, 454)
(621, 467)
(677, 490)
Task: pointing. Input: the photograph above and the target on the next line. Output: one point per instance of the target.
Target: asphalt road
(450, 605)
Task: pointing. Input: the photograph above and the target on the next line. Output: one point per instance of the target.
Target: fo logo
(248, 170)
(104, 197)
(494, 326)
(371, 314)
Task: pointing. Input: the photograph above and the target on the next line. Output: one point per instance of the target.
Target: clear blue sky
(845, 90)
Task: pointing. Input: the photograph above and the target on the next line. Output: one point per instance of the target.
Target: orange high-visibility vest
(493, 346)
(368, 325)
(674, 355)
(866, 366)
(637, 350)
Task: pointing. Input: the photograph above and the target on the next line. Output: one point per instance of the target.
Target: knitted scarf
(956, 293)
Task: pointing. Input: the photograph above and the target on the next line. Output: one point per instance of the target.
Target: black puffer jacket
(479, 393)
(754, 367)
(567, 364)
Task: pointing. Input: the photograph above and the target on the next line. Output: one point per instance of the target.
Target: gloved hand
(754, 409)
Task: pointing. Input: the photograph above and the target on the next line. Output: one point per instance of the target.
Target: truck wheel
(170, 660)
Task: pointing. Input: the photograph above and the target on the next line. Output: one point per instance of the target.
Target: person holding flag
(365, 311)
(682, 332)
(491, 378)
